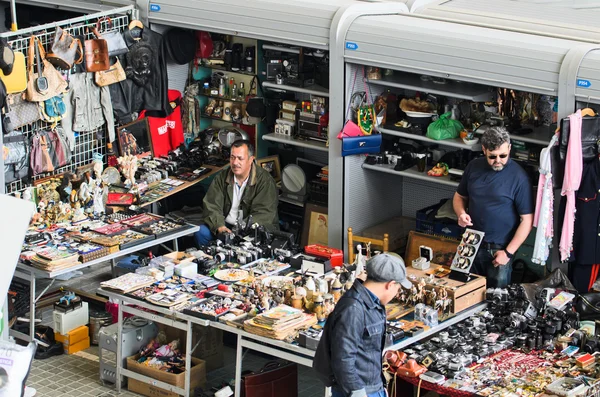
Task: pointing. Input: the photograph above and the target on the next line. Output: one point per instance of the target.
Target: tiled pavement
(78, 375)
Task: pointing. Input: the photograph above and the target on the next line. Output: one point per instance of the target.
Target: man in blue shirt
(349, 355)
(495, 197)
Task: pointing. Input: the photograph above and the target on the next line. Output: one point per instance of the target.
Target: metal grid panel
(86, 142)
(417, 195)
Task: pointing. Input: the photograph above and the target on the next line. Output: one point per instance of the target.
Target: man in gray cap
(349, 354)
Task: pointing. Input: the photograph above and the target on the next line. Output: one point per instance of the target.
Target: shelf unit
(312, 90)
(453, 89)
(224, 69)
(205, 116)
(540, 136)
(411, 173)
(309, 144)
(457, 142)
(218, 98)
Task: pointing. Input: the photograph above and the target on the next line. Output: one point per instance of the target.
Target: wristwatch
(510, 256)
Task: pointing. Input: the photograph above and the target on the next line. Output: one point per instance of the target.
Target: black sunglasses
(493, 156)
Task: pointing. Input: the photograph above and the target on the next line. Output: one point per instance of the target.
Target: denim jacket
(350, 349)
(88, 107)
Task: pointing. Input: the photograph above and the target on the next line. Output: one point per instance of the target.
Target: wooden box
(463, 295)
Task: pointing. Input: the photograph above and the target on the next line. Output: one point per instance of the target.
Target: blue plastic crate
(436, 227)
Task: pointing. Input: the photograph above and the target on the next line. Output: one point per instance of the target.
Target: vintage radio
(284, 127)
(313, 126)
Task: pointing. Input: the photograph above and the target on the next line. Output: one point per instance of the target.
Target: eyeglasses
(494, 156)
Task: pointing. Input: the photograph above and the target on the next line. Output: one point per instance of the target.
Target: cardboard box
(77, 347)
(197, 378)
(74, 336)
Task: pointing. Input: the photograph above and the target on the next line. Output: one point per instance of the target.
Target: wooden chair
(353, 239)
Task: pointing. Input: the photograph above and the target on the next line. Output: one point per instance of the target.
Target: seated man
(243, 187)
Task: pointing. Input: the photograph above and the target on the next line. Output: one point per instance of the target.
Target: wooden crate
(463, 295)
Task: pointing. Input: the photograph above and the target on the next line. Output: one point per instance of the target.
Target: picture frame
(314, 228)
(272, 165)
(134, 138)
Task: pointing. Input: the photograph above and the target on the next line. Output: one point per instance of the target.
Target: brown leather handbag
(113, 75)
(275, 379)
(65, 51)
(96, 53)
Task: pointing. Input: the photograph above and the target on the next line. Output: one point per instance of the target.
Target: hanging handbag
(52, 110)
(19, 112)
(47, 82)
(110, 76)
(58, 147)
(114, 38)
(40, 159)
(16, 81)
(66, 50)
(361, 144)
(255, 106)
(96, 53)
(16, 156)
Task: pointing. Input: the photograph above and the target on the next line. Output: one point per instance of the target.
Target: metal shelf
(411, 173)
(457, 142)
(540, 136)
(312, 90)
(218, 98)
(309, 144)
(453, 89)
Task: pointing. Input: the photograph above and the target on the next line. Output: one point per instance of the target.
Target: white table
(31, 273)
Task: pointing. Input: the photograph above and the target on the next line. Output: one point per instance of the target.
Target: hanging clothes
(146, 86)
(571, 181)
(544, 208)
(88, 107)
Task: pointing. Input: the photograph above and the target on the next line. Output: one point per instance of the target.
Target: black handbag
(255, 106)
(590, 135)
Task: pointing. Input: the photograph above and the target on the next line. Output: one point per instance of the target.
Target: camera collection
(527, 341)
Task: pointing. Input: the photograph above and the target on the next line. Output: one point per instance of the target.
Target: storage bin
(426, 223)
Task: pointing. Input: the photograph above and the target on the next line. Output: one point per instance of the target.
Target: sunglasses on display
(494, 156)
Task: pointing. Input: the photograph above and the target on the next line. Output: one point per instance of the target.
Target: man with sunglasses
(495, 196)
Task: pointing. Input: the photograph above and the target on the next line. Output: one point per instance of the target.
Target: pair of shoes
(47, 346)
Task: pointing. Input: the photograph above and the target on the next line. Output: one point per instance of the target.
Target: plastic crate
(427, 224)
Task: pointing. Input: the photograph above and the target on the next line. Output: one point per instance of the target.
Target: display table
(182, 321)
(185, 185)
(276, 348)
(30, 273)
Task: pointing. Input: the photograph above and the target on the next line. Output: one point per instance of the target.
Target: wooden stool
(352, 239)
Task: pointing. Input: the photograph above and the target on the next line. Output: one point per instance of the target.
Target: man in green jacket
(244, 189)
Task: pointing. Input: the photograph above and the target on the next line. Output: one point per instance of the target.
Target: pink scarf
(571, 181)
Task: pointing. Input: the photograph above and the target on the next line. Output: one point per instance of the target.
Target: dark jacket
(259, 199)
(146, 86)
(349, 355)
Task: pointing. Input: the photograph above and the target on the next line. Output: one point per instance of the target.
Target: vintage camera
(496, 295)
(284, 127)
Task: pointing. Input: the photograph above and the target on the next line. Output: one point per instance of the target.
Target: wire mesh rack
(86, 142)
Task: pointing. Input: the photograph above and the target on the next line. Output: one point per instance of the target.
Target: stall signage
(154, 7)
(351, 46)
(583, 83)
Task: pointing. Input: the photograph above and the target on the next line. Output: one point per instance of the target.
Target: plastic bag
(15, 362)
(444, 128)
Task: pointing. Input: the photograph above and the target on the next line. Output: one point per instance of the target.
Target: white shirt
(238, 192)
